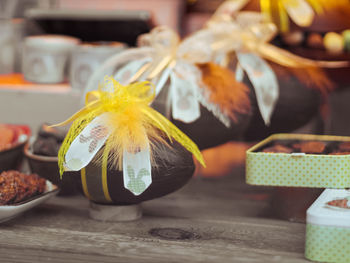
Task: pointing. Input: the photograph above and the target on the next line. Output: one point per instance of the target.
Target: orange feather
(231, 96)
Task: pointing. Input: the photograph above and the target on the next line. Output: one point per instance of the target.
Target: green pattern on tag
(327, 243)
(136, 184)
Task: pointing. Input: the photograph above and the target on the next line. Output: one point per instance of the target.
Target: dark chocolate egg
(174, 168)
(295, 107)
(208, 131)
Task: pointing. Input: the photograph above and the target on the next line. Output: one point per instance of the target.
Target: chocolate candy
(344, 147)
(315, 40)
(312, 147)
(333, 42)
(339, 153)
(294, 38)
(278, 148)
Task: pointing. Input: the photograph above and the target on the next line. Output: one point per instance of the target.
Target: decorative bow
(175, 61)
(119, 119)
(302, 12)
(247, 37)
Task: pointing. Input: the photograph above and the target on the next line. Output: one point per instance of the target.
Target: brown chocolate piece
(46, 146)
(315, 40)
(342, 203)
(339, 153)
(297, 146)
(344, 147)
(16, 187)
(46, 131)
(312, 147)
(8, 189)
(278, 148)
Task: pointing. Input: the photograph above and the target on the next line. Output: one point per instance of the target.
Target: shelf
(22, 102)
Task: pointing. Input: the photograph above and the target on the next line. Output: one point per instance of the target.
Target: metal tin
(328, 228)
(300, 170)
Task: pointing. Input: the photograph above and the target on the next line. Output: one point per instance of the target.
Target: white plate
(8, 212)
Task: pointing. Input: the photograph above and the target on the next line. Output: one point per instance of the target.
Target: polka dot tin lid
(332, 208)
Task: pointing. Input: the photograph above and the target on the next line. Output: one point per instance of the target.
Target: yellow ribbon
(302, 12)
(131, 116)
(165, 42)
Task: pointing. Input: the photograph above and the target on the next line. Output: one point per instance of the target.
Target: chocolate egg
(174, 168)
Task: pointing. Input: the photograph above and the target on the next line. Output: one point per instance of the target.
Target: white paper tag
(231, 7)
(85, 146)
(125, 73)
(264, 82)
(137, 173)
(163, 79)
(219, 58)
(184, 97)
(239, 73)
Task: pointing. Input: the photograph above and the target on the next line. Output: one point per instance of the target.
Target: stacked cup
(45, 57)
(87, 57)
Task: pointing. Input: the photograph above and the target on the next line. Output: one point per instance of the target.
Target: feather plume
(134, 125)
(231, 96)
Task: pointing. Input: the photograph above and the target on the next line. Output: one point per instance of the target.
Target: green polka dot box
(298, 169)
(328, 227)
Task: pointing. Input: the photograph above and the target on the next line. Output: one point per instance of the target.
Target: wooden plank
(244, 239)
(207, 221)
(214, 242)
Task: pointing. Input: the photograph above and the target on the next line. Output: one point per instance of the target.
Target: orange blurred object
(222, 159)
(10, 134)
(232, 96)
(13, 79)
(6, 137)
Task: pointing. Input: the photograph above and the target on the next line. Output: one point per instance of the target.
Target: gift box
(298, 169)
(328, 227)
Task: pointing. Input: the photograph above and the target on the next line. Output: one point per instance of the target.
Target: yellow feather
(134, 124)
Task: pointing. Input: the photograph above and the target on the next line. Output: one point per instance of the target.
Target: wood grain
(220, 220)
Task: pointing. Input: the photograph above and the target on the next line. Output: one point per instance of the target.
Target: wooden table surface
(209, 220)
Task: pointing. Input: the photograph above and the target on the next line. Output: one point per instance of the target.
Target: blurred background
(26, 97)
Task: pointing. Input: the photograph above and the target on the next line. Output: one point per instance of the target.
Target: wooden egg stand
(115, 213)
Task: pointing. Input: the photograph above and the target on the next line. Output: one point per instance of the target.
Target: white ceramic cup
(45, 57)
(87, 57)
